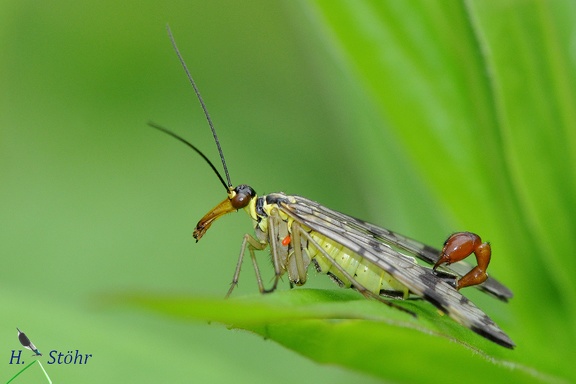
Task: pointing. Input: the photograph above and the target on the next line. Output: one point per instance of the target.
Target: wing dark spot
(428, 250)
(375, 245)
(507, 343)
(436, 300)
(446, 277)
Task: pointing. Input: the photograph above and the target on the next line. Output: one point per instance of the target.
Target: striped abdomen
(364, 273)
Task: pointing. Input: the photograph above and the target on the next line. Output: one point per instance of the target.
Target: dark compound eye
(244, 194)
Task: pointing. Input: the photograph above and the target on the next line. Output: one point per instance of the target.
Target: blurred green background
(423, 117)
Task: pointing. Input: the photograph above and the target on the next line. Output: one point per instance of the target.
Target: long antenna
(176, 136)
(205, 113)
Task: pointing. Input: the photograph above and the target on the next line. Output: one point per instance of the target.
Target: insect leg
(461, 245)
(359, 287)
(298, 256)
(252, 244)
(273, 222)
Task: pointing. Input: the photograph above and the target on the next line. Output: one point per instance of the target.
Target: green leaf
(340, 327)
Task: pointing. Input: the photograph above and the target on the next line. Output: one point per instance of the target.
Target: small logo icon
(25, 341)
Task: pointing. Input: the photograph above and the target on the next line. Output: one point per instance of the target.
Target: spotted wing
(368, 242)
(424, 252)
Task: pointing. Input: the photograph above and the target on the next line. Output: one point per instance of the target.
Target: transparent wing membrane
(377, 246)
